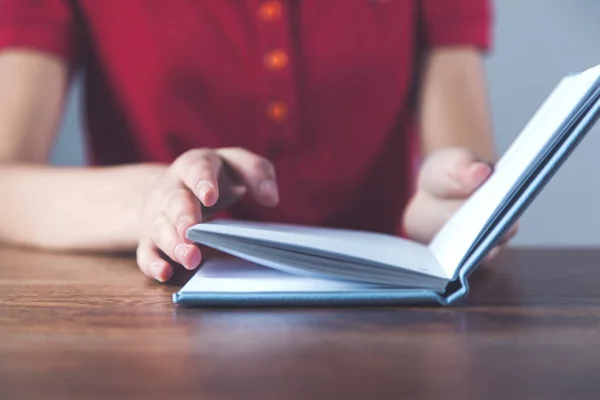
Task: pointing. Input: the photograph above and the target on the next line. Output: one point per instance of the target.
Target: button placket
(277, 110)
(277, 69)
(269, 11)
(275, 60)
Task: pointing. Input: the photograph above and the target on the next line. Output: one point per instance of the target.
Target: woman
(310, 112)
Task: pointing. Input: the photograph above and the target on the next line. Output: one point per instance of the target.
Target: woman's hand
(198, 183)
(447, 178)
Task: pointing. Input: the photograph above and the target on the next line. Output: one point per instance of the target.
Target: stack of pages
(278, 264)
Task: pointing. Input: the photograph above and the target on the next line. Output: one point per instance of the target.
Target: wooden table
(94, 327)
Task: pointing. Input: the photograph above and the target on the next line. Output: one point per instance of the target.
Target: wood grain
(83, 327)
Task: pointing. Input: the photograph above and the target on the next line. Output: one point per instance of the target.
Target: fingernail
(194, 262)
(180, 252)
(476, 175)
(268, 188)
(203, 189)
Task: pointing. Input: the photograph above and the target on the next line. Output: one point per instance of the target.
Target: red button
(275, 60)
(269, 11)
(277, 111)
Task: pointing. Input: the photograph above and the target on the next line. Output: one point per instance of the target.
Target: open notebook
(281, 264)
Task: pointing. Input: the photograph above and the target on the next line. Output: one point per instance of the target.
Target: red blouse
(323, 88)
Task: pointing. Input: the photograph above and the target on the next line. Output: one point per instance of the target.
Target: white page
(240, 276)
(458, 235)
(315, 266)
(367, 246)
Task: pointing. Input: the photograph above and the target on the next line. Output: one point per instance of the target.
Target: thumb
(453, 173)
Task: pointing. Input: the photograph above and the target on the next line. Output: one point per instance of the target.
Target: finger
(492, 254)
(182, 209)
(425, 215)
(256, 172)
(453, 173)
(151, 263)
(199, 171)
(505, 239)
(165, 237)
(471, 176)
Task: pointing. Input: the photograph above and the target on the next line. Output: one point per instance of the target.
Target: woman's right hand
(198, 183)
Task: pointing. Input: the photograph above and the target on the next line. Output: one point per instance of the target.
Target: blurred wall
(536, 43)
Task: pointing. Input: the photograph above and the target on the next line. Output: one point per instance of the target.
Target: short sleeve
(45, 25)
(457, 22)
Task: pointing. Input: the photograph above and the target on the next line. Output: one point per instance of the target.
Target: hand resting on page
(207, 180)
(446, 179)
(200, 180)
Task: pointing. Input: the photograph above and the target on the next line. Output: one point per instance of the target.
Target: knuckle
(155, 193)
(211, 157)
(157, 190)
(173, 197)
(156, 229)
(180, 202)
(197, 153)
(239, 149)
(141, 256)
(232, 149)
(262, 165)
(164, 237)
(203, 164)
(200, 172)
(191, 156)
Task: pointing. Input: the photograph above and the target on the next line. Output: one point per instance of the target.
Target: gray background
(536, 43)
